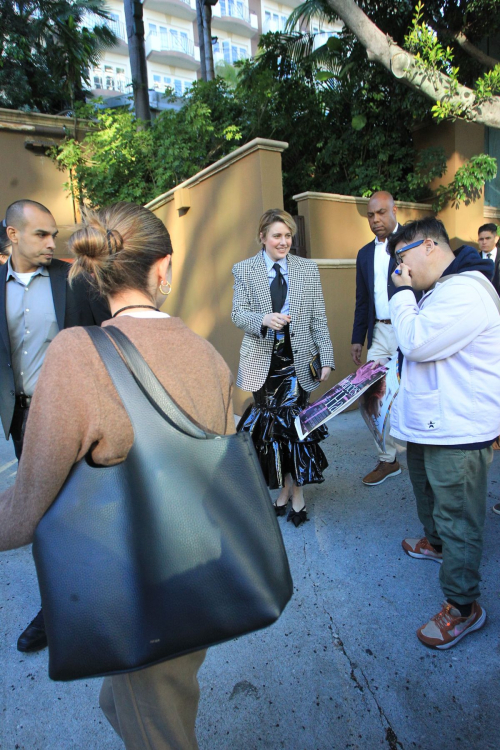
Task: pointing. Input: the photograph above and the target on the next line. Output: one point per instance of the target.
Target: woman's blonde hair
(118, 245)
(272, 215)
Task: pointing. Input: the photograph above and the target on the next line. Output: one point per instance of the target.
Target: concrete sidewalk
(342, 668)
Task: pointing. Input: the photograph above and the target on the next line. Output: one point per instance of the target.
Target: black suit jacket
(496, 274)
(364, 315)
(79, 305)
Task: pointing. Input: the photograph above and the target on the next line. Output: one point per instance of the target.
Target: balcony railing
(170, 43)
(234, 9)
(117, 27)
(272, 24)
(108, 82)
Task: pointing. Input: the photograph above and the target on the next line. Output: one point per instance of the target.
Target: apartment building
(172, 49)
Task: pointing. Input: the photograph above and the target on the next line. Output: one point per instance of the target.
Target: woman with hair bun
(278, 303)
(76, 411)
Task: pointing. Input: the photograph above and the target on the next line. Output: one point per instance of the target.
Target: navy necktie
(278, 290)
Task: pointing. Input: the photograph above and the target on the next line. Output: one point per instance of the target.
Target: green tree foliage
(118, 161)
(442, 36)
(441, 58)
(434, 57)
(349, 125)
(46, 49)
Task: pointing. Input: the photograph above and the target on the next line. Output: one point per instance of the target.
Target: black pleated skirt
(270, 422)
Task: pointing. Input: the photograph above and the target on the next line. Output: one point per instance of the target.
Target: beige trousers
(384, 344)
(155, 708)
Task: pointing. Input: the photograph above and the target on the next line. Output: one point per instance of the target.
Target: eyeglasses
(398, 253)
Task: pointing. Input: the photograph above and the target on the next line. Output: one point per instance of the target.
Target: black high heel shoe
(298, 516)
(280, 510)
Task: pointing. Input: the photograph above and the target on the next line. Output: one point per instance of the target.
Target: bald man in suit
(36, 302)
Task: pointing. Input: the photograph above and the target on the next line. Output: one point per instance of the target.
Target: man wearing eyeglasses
(447, 410)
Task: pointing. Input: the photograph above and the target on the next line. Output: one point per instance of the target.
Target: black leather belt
(23, 401)
(388, 322)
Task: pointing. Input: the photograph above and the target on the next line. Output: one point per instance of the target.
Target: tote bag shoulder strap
(108, 342)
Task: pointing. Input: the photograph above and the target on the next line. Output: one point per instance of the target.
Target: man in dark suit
(487, 239)
(36, 302)
(374, 287)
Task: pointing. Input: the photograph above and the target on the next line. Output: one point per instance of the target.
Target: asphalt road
(342, 668)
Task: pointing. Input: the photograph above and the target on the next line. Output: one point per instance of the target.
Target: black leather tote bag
(173, 550)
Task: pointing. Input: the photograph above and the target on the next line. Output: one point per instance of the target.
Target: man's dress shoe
(34, 637)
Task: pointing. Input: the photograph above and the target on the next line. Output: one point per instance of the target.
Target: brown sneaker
(422, 549)
(448, 626)
(381, 472)
(496, 508)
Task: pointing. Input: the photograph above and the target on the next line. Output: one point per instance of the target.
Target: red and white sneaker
(449, 627)
(421, 549)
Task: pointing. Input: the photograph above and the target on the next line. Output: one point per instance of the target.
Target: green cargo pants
(450, 489)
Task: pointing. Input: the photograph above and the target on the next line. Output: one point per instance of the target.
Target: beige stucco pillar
(213, 221)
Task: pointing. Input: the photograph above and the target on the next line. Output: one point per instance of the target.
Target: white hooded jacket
(450, 384)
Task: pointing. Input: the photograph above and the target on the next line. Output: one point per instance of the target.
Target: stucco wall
(213, 220)
(26, 173)
(460, 141)
(336, 225)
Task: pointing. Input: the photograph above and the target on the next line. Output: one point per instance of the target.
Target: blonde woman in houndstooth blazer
(278, 303)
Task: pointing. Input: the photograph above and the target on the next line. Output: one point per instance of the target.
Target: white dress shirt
(492, 255)
(381, 271)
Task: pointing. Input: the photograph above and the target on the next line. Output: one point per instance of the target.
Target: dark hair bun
(89, 241)
(118, 245)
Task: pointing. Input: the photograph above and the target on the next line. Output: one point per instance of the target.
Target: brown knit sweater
(75, 406)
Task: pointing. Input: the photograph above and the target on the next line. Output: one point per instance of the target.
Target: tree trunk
(137, 55)
(201, 37)
(403, 65)
(207, 38)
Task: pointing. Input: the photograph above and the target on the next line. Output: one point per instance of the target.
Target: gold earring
(163, 283)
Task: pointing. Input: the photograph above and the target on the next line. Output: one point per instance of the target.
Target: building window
(178, 87)
(109, 77)
(120, 80)
(274, 21)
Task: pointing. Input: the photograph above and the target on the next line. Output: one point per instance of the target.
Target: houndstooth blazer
(308, 328)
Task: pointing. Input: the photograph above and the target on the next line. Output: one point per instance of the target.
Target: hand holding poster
(377, 401)
(338, 398)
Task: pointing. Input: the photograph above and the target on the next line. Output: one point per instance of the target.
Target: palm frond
(309, 10)
(298, 48)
